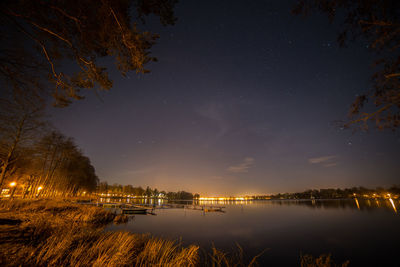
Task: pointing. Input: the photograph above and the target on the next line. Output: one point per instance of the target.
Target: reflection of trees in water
(360, 204)
(145, 201)
(363, 204)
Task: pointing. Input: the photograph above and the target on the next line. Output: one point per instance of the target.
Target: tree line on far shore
(337, 193)
(125, 190)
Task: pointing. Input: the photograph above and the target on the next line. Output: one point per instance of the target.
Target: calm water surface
(367, 233)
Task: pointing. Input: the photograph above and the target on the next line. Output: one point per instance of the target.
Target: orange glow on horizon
(224, 198)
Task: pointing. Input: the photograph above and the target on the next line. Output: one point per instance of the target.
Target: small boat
(110, 205)
(83, 201)
(211, 209)
(134, 210)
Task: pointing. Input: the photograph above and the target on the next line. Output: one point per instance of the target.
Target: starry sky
(243, 100)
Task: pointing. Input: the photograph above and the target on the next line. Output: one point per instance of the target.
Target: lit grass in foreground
(65, 234)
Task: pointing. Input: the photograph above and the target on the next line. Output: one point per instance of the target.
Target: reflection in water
(394, 207)
(142, 201)
(358, 204)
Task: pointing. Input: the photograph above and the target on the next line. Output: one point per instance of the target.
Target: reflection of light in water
(377, 202)
(394, 207)
(358, 205)
(313, 202)
(369, 203)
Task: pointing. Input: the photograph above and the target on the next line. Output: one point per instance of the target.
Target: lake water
(365, 232)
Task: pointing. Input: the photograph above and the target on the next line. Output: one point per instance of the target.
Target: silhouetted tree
(127, 189)
(378, 22)
(148, 192)
(36, 36)
(138, 191)
(180, 195)
(155, 192)
(21, 118)
(103, 187)
(58, 167)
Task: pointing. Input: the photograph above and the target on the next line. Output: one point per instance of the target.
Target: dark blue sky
(242, 101)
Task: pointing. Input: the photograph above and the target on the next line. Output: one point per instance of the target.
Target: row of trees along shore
(125, 190)
(38, 158)
(337, 193)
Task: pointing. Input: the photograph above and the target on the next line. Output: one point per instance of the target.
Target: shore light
(39, 188)
(12, 184)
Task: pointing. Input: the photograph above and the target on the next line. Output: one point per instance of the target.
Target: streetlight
(12, 185)
(38, 190)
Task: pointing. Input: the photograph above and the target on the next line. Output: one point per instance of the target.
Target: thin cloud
(214, 112)
(326, 161)
(242, 167)
(321, 159)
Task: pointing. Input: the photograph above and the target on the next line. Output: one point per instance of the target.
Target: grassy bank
(61, 233)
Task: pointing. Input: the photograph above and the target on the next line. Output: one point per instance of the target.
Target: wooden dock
(130, 208)
(111, 205)
(133, 210)
(213, 209)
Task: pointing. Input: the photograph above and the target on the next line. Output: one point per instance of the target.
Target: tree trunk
(10, 153)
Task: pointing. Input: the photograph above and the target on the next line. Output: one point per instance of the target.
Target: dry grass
(58, 233)
(218, 258)
(29, 210)
(167, 253)
(121, 218)
(322, 261)
(94, 247)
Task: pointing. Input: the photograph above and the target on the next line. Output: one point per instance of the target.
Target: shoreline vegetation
(61, 233)
(116, 190)
(46, 232)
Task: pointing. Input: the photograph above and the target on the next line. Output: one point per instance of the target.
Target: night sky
(242, 101)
